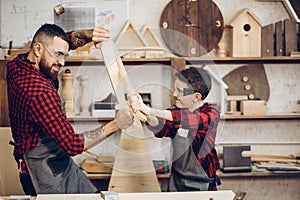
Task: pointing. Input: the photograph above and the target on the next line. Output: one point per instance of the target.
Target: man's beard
(47, 71)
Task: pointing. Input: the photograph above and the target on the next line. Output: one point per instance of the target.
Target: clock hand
(190, 23)
(184, 17)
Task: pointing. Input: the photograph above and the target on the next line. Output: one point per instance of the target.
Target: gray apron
(53, 171)
(187, 173)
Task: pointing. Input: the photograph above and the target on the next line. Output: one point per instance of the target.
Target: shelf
(252, 174)
(107, 176)
(223, 117)
(221, 174)
(269, 116)
(89, 119)
(191, 60)
(194, 60)
(127, 61)
(247, 60)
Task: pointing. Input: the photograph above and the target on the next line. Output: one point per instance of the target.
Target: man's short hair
(49, 31)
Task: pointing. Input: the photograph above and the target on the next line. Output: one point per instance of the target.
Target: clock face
(191, 28)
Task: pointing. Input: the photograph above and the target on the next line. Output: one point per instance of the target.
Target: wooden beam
(133, 169)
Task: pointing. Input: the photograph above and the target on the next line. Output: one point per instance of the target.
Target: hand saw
(117, 73)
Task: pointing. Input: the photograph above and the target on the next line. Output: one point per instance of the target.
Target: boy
(192, 125)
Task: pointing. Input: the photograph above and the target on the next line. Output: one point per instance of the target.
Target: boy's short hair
(198, 79)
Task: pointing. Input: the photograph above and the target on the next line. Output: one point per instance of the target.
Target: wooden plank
(215, 195)
(279, 38)
(9, 173)
(177, 64)
(4, 115)
(290, 37)
(267, 42)
(133, 169)
(207, 195)
(68, 197)
(94, 166)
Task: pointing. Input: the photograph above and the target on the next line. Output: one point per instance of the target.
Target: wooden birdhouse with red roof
(245, 35)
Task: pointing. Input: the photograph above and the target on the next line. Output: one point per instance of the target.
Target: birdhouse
(155, 48)
(130, 42)
(245, 35)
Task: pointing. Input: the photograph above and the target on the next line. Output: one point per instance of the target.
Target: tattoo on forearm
(92, 134)
(80, 38)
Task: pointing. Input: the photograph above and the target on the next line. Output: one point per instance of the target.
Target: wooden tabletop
(205, 195)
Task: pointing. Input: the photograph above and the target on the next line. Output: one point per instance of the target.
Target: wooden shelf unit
(165, 61)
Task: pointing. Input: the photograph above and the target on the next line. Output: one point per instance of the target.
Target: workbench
(206, 195)
(262, 185)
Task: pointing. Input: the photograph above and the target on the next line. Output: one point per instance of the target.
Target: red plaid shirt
(202, 124)
(35, 106)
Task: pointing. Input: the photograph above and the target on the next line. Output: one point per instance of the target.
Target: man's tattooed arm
(82, 37)
(92, 134)
(93, 137)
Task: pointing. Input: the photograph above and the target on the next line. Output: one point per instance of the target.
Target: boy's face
(184, 95)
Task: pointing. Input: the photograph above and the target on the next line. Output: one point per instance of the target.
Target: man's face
(53, 57)
(183, 97)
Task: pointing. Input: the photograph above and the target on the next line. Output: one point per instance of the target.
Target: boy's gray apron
(187, 174)
(53, 171)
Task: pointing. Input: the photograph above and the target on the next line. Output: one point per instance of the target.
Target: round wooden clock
(191, 28)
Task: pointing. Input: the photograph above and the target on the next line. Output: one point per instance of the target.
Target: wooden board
(267, 43)
(133, 169)
(94, 166)
(4, 116)
(177, 64)
(68, 197)
(290, 37)
(9, 173)
(279, 38)
(205, 195)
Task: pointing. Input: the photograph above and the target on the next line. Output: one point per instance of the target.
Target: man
(44, 140)
(192, 125)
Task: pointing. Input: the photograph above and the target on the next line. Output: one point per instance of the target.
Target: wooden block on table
(234, 104)
(94, 166)
(279, 38)
(106, 158)
(290, 37)
(254, 107)
(267, 42)
(236, 97)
